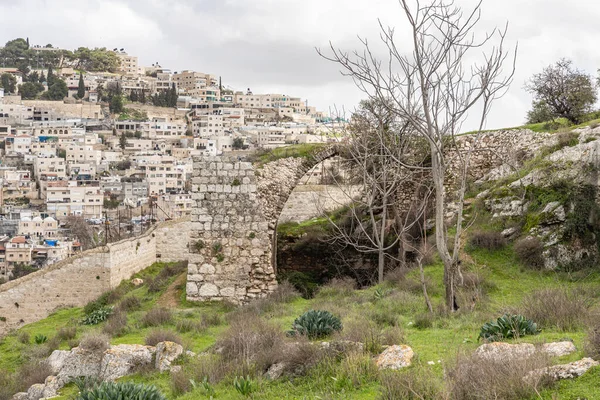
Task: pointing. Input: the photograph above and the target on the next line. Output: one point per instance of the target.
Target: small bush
(488, 240)
(411, 384)
(304, 283)
(530, 252)
(209, 367)
(31, 373)
(130, 303)
(157, 317)
(23, 337)
(338, 287)
(97, 316)
(251, 344)
(423, 321)
(475, 378)
(180, 383)
(592, 346)
(284, 293)
(316, 324)
(364, 331)
(122, 390)
(186, 325)
(161, 335)
(563, 309)
(40, 339)
(243, 385)
(508, 327)
(116, 324)
(95, 342)
(67, 333)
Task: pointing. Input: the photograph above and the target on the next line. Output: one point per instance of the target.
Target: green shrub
(316, 324)
(40, 339)
(97, 316)
(243, 385)
(508, 327)
(122, 391)
(302, 282)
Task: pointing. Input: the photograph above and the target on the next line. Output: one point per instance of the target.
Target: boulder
(51, 387)
(124, 359)
(166, 353)
(395, 357)
(275, 371)
(137, 282)
(20, 396)
(498, 351)
(559, 349)
(57, 360)
(563, 371)
(80, 362)
(36, 392)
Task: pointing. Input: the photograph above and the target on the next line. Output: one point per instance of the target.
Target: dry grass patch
(413, 383)
(162, 335)
(561, 308)
(157, 316)
(95, 342)
(476, 378)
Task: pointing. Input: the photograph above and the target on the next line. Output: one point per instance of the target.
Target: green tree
(540, 112)
(13, 52)
(81, 88)
(238, 143)
(42, 78)
(568, 92)
(57, 91)
(123, 141)
(50, 76)
(115, 104)
(30, 90)
(133, 96)
(8, 82)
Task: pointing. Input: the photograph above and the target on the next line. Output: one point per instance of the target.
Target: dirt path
(170, 298)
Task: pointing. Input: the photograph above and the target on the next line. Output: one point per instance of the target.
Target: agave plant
(315, 324)
(508, 327)
(97, 316)
(122, 390)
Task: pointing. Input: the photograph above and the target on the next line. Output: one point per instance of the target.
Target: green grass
(442, 341)
(297, 150)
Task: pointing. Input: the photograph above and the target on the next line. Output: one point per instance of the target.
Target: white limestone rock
(124, 359)
(395, 357)
(166, 353)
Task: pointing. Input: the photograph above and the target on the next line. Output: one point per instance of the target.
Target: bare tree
(82, 231)
(375, 156)
(432, 89)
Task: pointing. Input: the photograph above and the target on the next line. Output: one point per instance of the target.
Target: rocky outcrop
(563, 371)
(395, 357)
(166, 353)
(109, 365)
(500, 351)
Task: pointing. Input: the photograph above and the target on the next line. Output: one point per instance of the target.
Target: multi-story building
(18, 250)
(16, 183)
(82, 198)
(82, 154)
(129, 64)
(207, 126)
(46, 228)
(49, 168)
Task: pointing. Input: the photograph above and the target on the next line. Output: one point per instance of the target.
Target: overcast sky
(269, 45)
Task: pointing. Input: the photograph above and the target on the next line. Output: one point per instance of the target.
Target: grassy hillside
(391, 313)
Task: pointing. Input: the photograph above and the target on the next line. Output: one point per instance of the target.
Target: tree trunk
(380, 265)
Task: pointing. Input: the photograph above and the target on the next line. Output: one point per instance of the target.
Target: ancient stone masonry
(77, 280)
(234, 222)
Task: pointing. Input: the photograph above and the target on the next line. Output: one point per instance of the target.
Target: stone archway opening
(234, 224)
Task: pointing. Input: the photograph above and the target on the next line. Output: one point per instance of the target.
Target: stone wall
(76, 281)
(233, 224)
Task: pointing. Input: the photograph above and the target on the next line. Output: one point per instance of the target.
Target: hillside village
(164, 235)
(91, 138)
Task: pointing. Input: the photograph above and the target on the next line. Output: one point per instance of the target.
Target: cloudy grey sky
(269, 45)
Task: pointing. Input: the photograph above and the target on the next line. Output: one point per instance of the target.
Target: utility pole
(105, 229)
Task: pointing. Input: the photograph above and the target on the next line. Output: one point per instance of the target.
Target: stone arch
(234, 222)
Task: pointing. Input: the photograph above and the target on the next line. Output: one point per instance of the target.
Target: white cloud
(268, 45)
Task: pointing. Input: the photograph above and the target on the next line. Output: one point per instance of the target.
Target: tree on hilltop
(566, 91)
(8, 82)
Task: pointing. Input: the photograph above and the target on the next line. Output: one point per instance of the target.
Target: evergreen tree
(133, 96)
(123, 141)
(143, 97)
(50, 76)
(81, 88)
(115, 104)
(42, 77)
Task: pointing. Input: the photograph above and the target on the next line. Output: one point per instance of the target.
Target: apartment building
(49, 168)
(16, 183)
(20, 144)
(188, 81)
(207, 125)
(273, 100)
(18, 250)
(81, 198)
(129, 64)
(82, 154)
(46, 228)
(15, 114)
